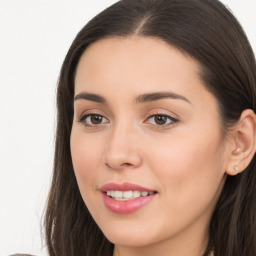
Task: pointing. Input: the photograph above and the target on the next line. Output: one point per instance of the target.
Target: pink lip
(127, 206)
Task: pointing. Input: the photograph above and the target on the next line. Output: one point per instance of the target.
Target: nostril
(123, 165)
(126, 164)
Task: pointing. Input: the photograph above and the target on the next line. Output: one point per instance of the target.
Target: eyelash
(171, 121)
(83, 118)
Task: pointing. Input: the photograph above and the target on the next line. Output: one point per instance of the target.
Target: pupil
(160, 119)
(96, 119)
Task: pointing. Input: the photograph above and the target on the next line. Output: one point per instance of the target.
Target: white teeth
(118, 194)
(144, 193)
(127, 195)
(120, 199)
(136, 194)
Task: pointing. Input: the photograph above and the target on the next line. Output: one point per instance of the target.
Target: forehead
(127, 66)
(134, 57)
(131, 48)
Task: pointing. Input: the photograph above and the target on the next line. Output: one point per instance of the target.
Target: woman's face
(146, 143)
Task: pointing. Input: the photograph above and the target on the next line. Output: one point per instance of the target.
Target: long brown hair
(209, 33)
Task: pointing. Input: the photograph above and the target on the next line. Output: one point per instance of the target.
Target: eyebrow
(90, 97)
(147, 97)
(143, 98)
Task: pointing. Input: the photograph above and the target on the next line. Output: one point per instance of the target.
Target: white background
(34, 38)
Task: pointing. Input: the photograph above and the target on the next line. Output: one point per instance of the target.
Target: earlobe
(244, 136)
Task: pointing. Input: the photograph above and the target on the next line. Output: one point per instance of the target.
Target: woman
(156, 135)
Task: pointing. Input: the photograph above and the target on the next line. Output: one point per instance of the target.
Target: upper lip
(124, 187)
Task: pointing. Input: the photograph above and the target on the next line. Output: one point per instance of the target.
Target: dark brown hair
(209, 33)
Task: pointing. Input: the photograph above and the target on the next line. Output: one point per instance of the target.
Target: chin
(130, 238)
(128, 241)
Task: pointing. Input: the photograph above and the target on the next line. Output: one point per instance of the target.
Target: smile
(127, 195)
(126, 198)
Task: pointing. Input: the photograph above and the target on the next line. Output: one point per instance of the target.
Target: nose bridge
(121, 148)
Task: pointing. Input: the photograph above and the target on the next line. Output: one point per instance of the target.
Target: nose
(122, 150)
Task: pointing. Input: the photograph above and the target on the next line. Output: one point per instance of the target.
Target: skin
(184, 161)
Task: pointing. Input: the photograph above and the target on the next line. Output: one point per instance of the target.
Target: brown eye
(160, 119)
(96, 119)
(93, 120)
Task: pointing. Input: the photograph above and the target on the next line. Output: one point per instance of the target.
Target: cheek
(189, 168)
(87, 162)
(86, 156)
(184, 156)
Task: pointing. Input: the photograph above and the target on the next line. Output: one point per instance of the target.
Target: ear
(243, 143)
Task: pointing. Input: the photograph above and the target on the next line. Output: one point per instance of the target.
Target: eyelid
(81, 118)
(162, 112)
(153, 113)
(90, 111)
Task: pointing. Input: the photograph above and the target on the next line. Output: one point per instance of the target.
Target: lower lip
(127, 206)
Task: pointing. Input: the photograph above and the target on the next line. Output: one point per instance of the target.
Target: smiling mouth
(128, 195)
